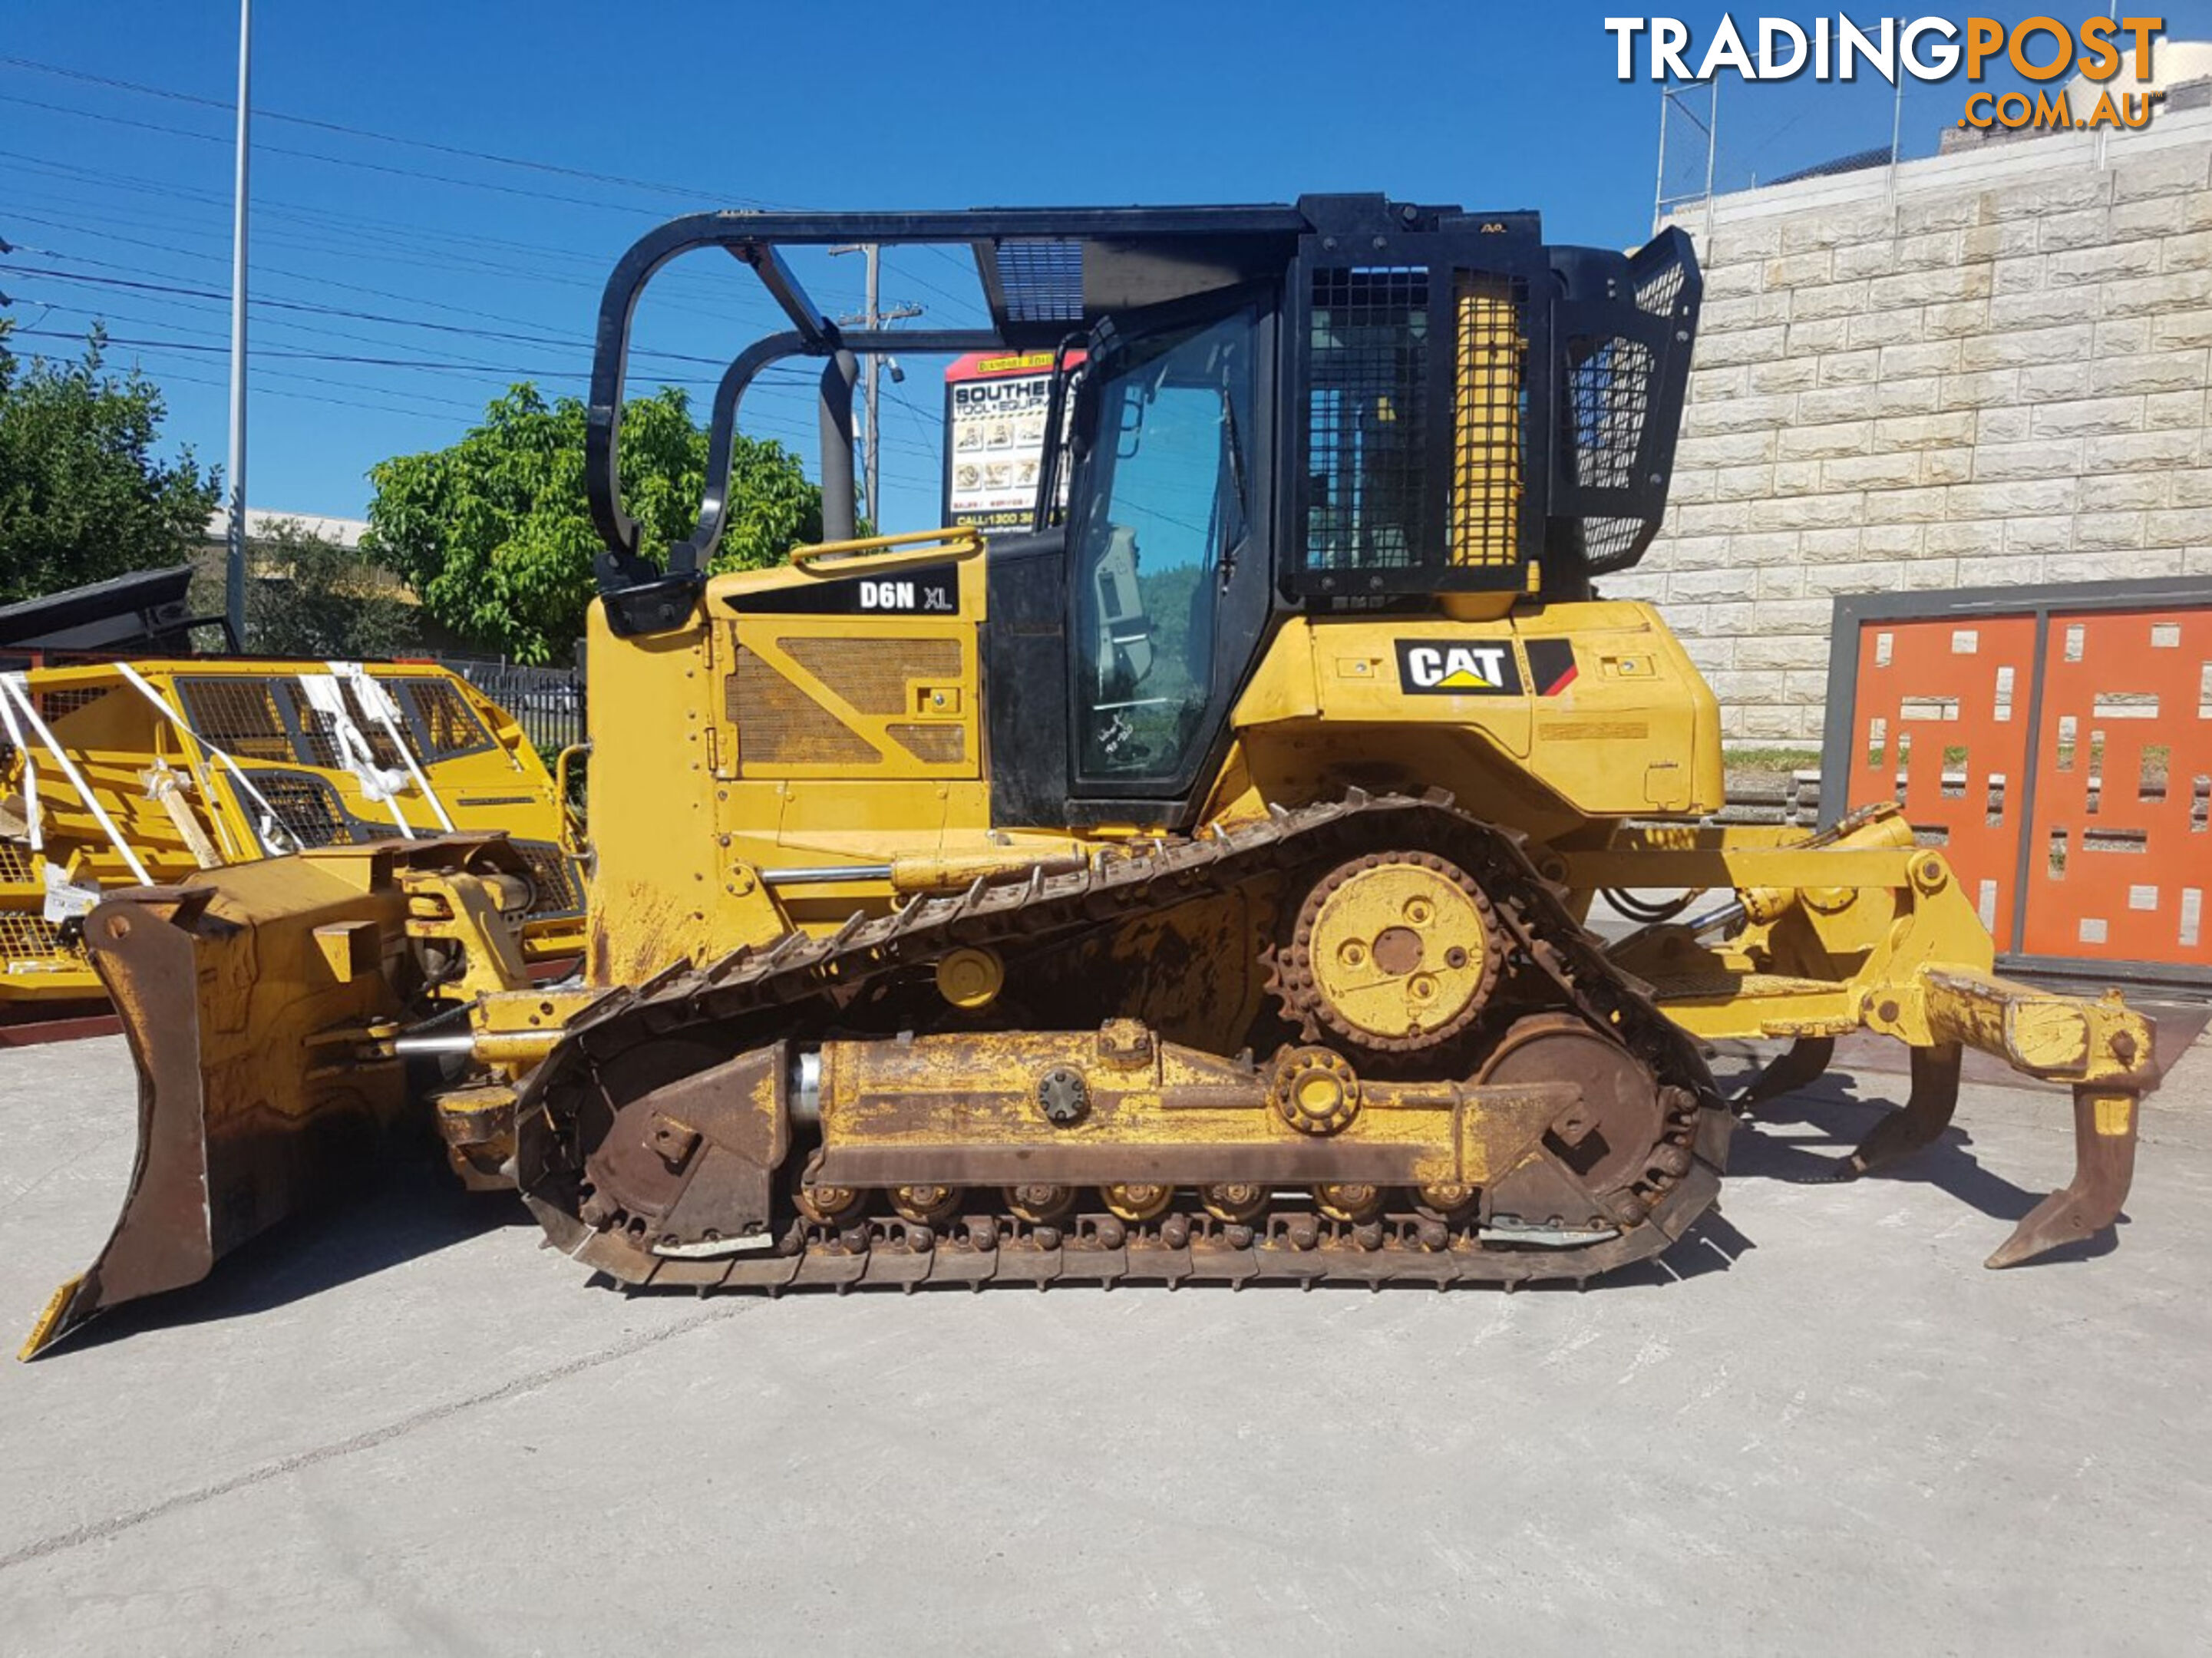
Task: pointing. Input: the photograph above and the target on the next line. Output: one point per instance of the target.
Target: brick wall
(1990, 371)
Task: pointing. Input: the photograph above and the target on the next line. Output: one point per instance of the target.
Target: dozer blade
(247, 998)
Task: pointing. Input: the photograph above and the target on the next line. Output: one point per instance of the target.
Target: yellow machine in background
(138, 773)
(1190, 888)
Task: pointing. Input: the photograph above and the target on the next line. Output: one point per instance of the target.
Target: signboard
(995, 405)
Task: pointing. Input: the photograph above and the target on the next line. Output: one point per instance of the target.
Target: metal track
(755, 995)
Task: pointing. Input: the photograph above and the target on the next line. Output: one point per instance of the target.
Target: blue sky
(705, 106)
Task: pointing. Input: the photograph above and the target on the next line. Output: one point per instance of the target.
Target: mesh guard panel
(940, 745)
(238, 715)
(872, 674)
(27, 938)
(1612, 544)
(1609, 394)
(555, 890)
(447, 724)
(1367, 417)
(1042, 280)
(1474, 404)
(308, 808)
(1623, 370)
(1486, 441)
(318, 735)
(59, 705)
(778, 725)
(1609, 384)
(1658, 289)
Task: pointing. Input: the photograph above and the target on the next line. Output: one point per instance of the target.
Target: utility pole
(234, 571)
(872, 318)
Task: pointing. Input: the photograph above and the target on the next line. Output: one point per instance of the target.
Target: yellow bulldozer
(142, 772)
(1186, 884)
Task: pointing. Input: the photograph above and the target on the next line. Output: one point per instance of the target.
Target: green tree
(82, 494)
(312, 597)
(495, 536)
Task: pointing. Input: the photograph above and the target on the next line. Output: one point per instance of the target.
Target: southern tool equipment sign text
(2041, 49)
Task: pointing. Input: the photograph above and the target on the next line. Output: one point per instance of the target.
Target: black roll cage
(1606, 337)
(654, 597)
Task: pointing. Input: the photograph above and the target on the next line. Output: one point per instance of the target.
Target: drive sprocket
(1391, 952)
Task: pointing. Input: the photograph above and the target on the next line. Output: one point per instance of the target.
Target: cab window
(1166, 503)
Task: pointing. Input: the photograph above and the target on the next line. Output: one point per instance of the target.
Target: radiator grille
(872, 674)
(554, 876)
(1366, 417)
(778, 725)
(27, 938)
(1486, 518)
(15, 864)
(940, 745)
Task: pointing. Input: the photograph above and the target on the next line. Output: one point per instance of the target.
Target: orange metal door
(2119, 853)
(1940, 725)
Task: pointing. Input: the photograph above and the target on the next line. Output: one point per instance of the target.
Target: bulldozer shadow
(406, 1211)
(1800, 1139)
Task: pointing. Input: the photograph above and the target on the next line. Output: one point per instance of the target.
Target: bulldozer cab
(1349, 404)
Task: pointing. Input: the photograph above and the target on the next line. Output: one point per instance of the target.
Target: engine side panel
(1547, 719)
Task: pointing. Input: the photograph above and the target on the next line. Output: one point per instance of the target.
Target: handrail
(574, 830)
(955, 541)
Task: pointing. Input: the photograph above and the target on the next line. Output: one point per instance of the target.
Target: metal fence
(548, 702)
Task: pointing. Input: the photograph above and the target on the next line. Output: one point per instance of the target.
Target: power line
(105, 316)
(315, 219)
(195, 349)
(224, 105)
(299, 276)
(795, 381)
(308, 307)
(793, 434)
(958, 262)
(729, 298)
(310, 357)
(312, 155)
(969, 302)
(311, 216)
(170, 376)
(689, 193)
(325, 310)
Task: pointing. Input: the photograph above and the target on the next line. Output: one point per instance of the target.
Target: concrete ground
(1825, 1429)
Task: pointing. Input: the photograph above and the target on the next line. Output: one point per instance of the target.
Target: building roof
(261, 522)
